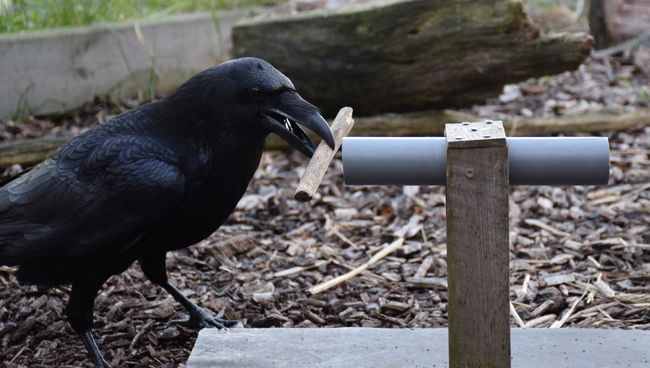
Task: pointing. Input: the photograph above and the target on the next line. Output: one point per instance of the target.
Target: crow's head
(249, 95)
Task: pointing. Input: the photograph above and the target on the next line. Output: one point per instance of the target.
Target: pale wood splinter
(321, 159)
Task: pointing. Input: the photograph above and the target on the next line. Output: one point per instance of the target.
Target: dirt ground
(579, 255)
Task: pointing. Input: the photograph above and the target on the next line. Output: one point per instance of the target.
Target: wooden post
(477, 245)
(598, 24)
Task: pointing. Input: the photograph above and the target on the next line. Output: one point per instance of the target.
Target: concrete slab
(384, 348)
(62, 68)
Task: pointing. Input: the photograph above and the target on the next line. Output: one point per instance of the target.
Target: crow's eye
(257, 93)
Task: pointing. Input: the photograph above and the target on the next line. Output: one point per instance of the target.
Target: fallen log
(410, 55)
(28, 152)
(423, 123)
(585, 123)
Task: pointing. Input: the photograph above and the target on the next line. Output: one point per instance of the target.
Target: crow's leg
(155, 270)
(93, 350)
(80, 315)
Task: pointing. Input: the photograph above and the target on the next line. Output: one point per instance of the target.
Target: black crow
(158, 178)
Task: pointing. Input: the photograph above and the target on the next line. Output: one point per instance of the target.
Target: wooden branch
(337, 280)
(632, 43)
(321, 159)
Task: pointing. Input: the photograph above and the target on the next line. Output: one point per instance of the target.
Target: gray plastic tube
(422, 161)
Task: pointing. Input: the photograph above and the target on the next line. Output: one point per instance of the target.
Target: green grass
(18, 15)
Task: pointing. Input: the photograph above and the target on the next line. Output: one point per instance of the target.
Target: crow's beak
(293, 110)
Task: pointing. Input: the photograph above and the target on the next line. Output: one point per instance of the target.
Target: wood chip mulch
(578, 254)
(579, 257)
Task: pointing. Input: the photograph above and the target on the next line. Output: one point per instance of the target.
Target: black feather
(158, 178)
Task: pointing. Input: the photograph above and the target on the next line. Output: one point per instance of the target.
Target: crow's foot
(201, 319)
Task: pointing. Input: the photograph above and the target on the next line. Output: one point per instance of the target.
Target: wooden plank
(477, 252)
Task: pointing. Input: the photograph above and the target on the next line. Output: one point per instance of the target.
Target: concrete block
(63, 68)
(397, 348)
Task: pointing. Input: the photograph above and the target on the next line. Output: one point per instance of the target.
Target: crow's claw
(201, 319)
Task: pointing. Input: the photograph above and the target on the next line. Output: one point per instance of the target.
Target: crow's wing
(95, 191)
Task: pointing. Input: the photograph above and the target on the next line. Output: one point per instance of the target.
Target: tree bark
(411, 55)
